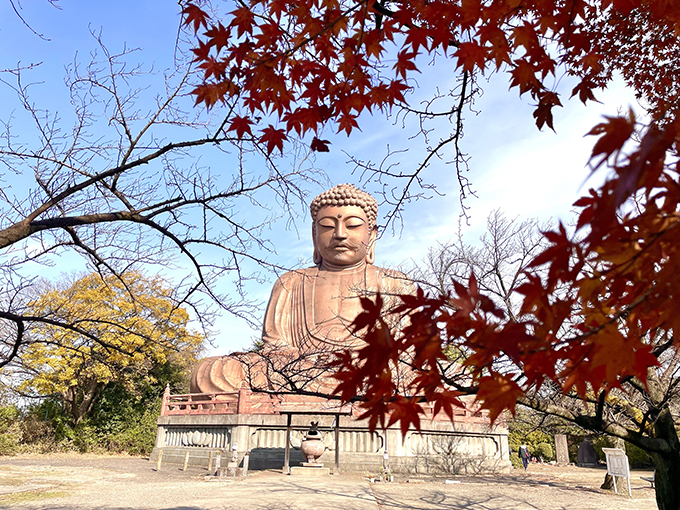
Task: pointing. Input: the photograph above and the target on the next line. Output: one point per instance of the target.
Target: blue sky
(513, 166)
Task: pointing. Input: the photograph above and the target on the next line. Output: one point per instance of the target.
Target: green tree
(129, 332)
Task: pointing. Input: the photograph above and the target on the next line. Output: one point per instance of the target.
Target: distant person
(524, 455)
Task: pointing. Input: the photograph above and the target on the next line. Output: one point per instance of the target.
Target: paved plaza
(115, 483)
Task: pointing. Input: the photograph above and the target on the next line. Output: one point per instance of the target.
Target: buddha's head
(344, 226)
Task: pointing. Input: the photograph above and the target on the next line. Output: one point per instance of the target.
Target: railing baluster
(211, 403)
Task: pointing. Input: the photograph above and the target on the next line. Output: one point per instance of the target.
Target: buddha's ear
(316, 256)
(370, 252)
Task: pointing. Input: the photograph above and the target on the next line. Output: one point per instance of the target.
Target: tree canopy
(317, 62)
(123, 330)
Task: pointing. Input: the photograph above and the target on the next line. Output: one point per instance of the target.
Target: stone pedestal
(465, 447)
(317, 470)
(230, 472)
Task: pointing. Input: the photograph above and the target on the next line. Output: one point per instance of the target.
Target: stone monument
(586, 456)
(309, 316)
(561, 449)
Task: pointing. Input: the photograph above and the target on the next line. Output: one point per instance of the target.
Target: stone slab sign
(561, 449)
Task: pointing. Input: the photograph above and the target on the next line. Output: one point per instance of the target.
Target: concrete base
(469, 447)
(309, 471)
(230, 472)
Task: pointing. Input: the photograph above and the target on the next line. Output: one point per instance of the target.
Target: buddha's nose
(340, 231)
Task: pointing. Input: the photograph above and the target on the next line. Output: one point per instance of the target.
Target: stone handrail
(236, 402)
(245, 401)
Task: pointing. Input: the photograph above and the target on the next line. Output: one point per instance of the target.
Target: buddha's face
(342, 235)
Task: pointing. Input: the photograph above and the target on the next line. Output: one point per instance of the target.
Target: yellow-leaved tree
(120, 330)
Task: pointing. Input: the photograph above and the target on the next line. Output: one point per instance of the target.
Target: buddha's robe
(310, 311)
(313, 309)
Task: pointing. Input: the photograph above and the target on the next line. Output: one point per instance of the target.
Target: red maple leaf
(614, 133)
(208, 93)
(395, 91)
(347, 123)
(405, 411)
(417, 38)
(273, 138)
(584, 90)
(405, 63)
(498, 393)
(243, 20)
(195, 15)
(201, 52)
(213, 67)
(320, 145)
(543, 112)
(218, 36)
(241, 125)
(524, 76)
(471, 55)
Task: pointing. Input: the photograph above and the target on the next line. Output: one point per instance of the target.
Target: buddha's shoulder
(296, 275)
(389, 273)
(392, 281)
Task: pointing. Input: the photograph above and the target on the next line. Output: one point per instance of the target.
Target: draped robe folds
(312, 309)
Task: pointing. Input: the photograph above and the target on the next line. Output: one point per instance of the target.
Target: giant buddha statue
(310, 310)
(313, 308)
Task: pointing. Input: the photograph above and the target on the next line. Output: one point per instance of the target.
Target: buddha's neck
(328, 266)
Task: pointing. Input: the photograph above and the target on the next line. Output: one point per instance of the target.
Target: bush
(10, 430)
(138, 437)
(544, 451)
(121, 420)
(86, 438)
(538, 442)
(573, 451)
(37, 434)
(516, 461)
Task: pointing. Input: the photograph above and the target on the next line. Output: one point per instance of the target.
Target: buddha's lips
(345, 246)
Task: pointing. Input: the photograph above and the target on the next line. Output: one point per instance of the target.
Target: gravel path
(75, 482)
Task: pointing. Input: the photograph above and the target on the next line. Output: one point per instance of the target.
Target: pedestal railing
(235, 402)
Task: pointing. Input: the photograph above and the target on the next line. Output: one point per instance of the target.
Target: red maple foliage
(314, 62)
(593, 322)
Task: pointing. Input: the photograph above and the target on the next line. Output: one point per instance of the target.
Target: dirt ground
(80, 482)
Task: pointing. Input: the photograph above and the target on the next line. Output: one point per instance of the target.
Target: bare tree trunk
(78, 405)
(667, 476)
